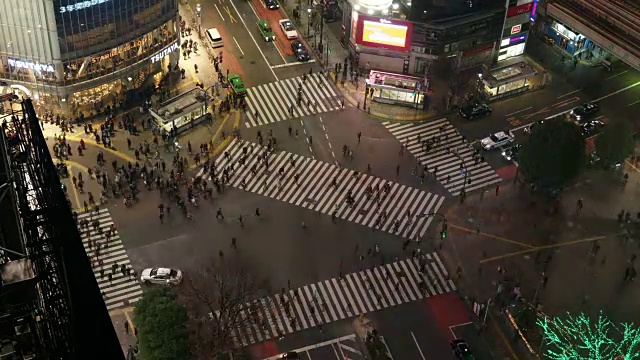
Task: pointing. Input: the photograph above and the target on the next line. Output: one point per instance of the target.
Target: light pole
(199, 18)
(479, 86)
(308, 21)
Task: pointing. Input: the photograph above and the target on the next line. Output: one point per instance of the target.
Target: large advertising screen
(382, 33)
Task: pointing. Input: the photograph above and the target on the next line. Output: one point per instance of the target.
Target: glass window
(387, 94)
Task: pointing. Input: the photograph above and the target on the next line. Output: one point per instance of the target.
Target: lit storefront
(397, 89)
(508, 80)
(567, 39)
(95, 55)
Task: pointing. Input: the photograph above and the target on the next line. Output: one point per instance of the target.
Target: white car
(163, 276)
(496, 140)
(287, 27)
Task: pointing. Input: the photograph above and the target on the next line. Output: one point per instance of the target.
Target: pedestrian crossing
(400, 210)
(123, 289)
(271, 102)
(339, 298)
(450, 154)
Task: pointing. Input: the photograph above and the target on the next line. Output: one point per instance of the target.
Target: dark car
(591, 128)
(473, 111)
(532, 126)
(461, 349)
(271, 4)
(289, 355)
(511, 153)
(585, 112)
(300, 50)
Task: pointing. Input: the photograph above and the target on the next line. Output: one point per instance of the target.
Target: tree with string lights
(581, 338)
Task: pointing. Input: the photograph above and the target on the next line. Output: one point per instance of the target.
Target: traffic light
(328, 50)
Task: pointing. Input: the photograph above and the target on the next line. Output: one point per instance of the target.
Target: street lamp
(199, 17)
(308, 21)
(479, 86)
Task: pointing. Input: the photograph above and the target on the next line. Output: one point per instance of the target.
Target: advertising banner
(383, 33)
(520, 9)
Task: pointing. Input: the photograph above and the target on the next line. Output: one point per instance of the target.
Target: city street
(339, 210)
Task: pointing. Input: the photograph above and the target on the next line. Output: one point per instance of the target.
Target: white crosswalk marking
(122, 290)
(401, 210)
(272, 101)
(339, 298)
(450, 151)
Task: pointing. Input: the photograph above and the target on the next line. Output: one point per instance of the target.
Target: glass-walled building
(75, 56)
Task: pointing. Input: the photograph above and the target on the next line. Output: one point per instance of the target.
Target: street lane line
(221, 17)
(274, 42)
(617, 92)
(318, 345)
(254, 40)
(569, 93)
(292, 64)
(635, 102)
(612, 76)
(238, 45)
(519, 111)
(418, 346)
(231, 18)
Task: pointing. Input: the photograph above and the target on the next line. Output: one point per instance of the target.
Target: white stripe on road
(293, 64)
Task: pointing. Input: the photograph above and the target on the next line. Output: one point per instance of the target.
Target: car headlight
(504, 153)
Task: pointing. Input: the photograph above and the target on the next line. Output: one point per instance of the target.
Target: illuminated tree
(580, 338)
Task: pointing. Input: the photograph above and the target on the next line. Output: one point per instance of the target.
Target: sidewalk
(126, 333)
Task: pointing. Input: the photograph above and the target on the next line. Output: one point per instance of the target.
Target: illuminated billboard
(382, 33)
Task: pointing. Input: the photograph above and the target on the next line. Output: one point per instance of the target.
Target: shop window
(388, 94)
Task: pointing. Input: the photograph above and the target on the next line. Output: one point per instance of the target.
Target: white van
(215, 38)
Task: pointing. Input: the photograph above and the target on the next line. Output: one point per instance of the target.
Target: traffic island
(367, 333)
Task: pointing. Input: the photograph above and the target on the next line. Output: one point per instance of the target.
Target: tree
(579, 338)
(223, 300)
(162, 326)
(615, 143)
(553, 156)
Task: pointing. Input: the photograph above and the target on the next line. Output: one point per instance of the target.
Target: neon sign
(81, 5)
(30, 65)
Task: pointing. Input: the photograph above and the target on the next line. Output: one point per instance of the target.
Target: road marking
(238, 45)
(231, 18)
(544, 110)
(221, 17)
(462, 228)
(386, 346)
(318, 345)
(74, 164)
(617, 92)
(635, 102)
(569, 93)
(616, 75)
(519, 111)
(418, 346)
(292, 64)
(551, 246)
(566, 102)
(254, 40)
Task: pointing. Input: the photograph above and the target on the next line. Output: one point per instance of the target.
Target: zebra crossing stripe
(335, 299)
(122, 291)
(272, 101)
(412, 208)
(446, 156)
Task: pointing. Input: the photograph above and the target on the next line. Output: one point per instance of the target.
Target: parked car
(300, 51)
(265, 30)
(289, 355)
(461, 349)
(163, 276)
(496, 140)
(473, 111)
(288, 29)
(585, 112)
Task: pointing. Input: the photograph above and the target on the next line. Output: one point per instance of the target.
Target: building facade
(73, 56)
(408, 37)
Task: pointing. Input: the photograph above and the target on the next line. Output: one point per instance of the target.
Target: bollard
(358, 105)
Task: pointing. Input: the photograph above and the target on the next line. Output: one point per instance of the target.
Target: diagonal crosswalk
(324, 187)
(342, 297)
(123, 289)
(272, 101)
(451, 154)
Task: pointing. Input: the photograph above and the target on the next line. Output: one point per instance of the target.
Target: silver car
(163, 276)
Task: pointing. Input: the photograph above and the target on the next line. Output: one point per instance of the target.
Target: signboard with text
(520, 9)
